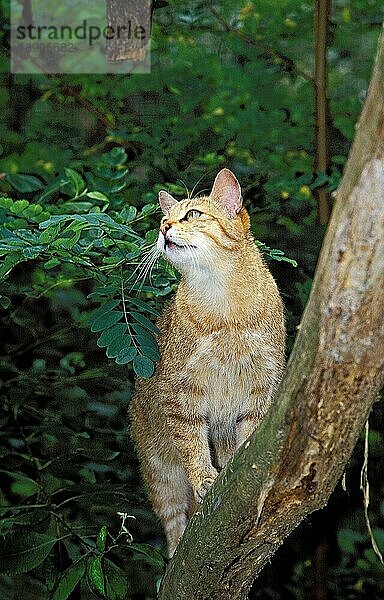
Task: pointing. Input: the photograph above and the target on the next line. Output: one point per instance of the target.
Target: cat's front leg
(246, 424)
(253, 411)
(190, 436)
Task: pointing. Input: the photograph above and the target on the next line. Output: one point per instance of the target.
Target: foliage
(81, 162)
(77, 239)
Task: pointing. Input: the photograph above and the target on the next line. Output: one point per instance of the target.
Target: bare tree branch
(321, 26)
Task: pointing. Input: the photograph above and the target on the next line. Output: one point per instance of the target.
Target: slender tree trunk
(321, 25)
(291, 465)
(26, 15)
(129, 25)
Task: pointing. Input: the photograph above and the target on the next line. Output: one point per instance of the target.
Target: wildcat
(221, 343)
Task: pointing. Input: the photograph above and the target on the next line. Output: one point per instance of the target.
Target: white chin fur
(201, 259)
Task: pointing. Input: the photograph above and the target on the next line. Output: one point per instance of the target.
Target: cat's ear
(226, 191)
(166, 201)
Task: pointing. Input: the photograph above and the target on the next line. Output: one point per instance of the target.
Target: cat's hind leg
(168, 487)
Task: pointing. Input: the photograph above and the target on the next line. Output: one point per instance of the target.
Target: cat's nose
(164, 228)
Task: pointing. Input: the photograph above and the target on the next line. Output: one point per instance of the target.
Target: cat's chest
(227, 366)
(228, 349)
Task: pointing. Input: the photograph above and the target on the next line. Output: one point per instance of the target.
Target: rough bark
(291, 465)
(130, 27)
(321, 26)
(26, 15)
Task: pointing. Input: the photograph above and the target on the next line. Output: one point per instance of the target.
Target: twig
(364, 486)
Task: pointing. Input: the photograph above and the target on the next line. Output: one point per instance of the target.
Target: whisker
(200, 193)
(143, 259)
(145, 266)
(186, 188)
(147, 261)
(196, 184)
(148, 268)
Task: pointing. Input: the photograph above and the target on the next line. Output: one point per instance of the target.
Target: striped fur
(222, 353)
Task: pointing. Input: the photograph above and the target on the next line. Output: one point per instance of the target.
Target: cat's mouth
(169, 244)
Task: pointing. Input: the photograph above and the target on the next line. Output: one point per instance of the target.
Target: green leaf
(320, 180)
(116, 584)
(347, 540)
(148, 208)
(106, 290)
(145, 339)
(117, 156)
(378, 534)
(143, 366)
(117, 187)
(26, 234)
(289, 224)
(22, 485)
(24, 488)
(149, 554)
(144, 306)
(275, 254)
(126, 355)
(144, 321)
(77, 206)
(33, 251)
(119, 174)
(128, 213)
(111, 334)
(32, 517)
(6, 203)
(103, 309)
(97, 196)
(118, 345)
(34, 212)
(106, 320)
(22, 552)
(113, 260)
(76, 181)
(18, 207)
(150, 351)
(92, 218)
(55, 220)
(96, 575)
(101, 538)
(151, 236)
(5, 302)
(24, 183)
(10, 261)
(49, 234)
(68, 581)
(68, 241)
(51, 263)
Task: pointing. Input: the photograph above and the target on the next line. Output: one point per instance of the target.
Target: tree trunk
(321, 25)
(291, 465)
(129, 24)
(26, 15)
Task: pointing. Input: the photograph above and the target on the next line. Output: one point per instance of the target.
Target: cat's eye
(192, 214)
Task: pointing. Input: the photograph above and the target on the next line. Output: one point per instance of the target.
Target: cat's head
(196, 232)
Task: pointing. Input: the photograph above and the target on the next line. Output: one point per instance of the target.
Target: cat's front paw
(202, 488)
